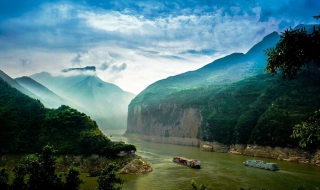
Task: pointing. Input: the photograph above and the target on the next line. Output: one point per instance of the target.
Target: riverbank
(133, 164)
(278, 153)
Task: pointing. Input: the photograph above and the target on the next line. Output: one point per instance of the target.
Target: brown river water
(218, 170)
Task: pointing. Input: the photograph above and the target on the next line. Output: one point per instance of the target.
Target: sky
(134, 43)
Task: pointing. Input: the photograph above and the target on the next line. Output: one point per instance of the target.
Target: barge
(187, 162)
(261, 164)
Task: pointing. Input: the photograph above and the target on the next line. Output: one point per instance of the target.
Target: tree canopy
(296, 50)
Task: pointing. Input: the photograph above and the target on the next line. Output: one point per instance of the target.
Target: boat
(192, 163)
(261, 164)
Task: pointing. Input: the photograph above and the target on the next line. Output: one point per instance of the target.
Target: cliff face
(165, 123)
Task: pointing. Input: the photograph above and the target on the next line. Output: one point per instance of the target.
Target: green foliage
(295, 50)
(260, 109)
(39, 172)
(108, 178)
(298, 49)
(27, 126)
(73, 181)
(308, 132)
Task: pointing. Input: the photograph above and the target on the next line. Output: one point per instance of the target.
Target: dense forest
(27, 126)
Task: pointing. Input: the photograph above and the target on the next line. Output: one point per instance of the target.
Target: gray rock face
(178, 126)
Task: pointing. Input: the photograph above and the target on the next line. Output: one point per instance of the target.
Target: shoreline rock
(278, 153)
(136, 166)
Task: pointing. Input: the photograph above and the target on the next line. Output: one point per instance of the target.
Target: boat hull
(262, 165)
(187, 162)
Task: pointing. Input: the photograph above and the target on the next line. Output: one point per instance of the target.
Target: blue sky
(135, 43)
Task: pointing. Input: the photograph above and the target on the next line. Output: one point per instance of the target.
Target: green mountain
(229, 101)
(27, 126)
(231, 68)
(106, 103)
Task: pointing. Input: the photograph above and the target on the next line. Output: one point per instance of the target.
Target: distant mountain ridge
(48, 98)
(106, 103)
(16, 85)
(228, 69)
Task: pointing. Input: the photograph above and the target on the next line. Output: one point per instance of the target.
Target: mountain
(229, 101)
(16, 85)
(231, 68)
(27, 126)
(106, 103)
(48, 98)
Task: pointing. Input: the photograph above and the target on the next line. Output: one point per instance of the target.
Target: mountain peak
(268, 41)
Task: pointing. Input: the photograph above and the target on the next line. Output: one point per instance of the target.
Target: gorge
(229, 102)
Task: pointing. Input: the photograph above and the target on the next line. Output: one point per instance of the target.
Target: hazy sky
(134, 43)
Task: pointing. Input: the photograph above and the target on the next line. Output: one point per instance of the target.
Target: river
(219, 170)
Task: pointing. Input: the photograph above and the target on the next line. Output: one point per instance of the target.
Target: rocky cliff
(174, 126)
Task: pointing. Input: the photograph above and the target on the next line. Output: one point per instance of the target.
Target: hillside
(106, 103)
(16, 85)
(227, 101)
(27, 126)
(231, 68)
(48, 98)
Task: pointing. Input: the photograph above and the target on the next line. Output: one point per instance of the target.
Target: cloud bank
(134, 43)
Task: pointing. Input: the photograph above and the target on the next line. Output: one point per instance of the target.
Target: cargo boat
(261, 164)
(187, 162)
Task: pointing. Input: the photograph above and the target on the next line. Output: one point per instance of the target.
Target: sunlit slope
(228, 69)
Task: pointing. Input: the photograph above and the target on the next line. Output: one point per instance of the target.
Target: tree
(73, 181)
(308, 132)
(297, 50)
(39, 172)
(108, 178)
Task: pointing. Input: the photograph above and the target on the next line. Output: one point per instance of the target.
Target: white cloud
(143, 45)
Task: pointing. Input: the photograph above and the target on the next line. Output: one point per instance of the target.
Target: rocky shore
(136, 166)
(278, 153)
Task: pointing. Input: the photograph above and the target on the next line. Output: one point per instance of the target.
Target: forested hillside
(258, 110)
(27, 126)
